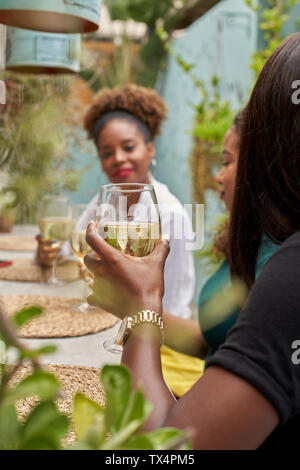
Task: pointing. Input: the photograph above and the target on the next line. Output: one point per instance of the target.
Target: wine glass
(55, 222)
(80, 247)
(128, 219)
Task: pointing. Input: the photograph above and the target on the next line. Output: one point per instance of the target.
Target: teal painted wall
(220, 43)
(92, 176)
(292, 25)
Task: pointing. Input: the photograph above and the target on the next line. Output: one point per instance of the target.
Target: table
(79, 351)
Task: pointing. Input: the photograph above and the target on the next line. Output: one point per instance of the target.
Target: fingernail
(166, 237)
(92, 222)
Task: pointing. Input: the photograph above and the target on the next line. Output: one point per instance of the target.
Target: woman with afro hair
(123, 123)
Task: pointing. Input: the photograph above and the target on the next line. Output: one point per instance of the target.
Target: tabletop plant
(115, 426)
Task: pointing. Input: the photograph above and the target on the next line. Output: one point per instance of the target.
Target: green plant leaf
(95, 435)
(45, 427)
(117, 385)
(39, 383)
(138, 409)
(160, 439)
(118, 9)
(38, 352)
(40, 443)
(10, 428)
(80, 446)
(26, 314)
(167, 438)
(121, 437)
(87, 414)
(140, 442)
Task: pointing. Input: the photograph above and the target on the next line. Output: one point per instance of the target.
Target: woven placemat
(58, 319)
(73, 379)
(27, 270)
(17, 243)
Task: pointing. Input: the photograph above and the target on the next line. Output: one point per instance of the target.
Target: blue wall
(220, 43)
(86, 159)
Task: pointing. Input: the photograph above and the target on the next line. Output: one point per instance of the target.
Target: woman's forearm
(141, 354)
(184, 335)
(214, 409)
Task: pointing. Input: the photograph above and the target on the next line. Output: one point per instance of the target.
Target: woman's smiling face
(227, 174)
(124, 154)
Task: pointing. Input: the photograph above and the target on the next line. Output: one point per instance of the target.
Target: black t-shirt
(264, 345)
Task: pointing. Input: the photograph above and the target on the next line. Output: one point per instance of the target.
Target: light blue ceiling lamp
(53, 16)
(38, 52)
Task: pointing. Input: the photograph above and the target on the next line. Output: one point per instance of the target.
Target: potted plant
(35, 156)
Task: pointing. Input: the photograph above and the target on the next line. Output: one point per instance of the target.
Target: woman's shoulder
(282, 269)
(94, 201)
(168, 203)
(270, 250)
(217, 281)
(164, 195)
(174, 216)
(266, 251)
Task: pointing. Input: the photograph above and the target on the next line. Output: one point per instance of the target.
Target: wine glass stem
(86, 291)
(123, 324)
(54, 269)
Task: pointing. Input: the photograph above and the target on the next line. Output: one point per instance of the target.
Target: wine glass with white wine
(80, 247)
(128, 219)
(55, 223)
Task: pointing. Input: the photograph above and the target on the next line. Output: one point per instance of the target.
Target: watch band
(144, 316)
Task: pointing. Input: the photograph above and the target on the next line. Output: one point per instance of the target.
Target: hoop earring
(153, 163)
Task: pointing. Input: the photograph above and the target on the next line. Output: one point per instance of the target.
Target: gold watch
(144, 316)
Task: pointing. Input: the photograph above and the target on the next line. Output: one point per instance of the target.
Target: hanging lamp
(53, 16)
(38, 52)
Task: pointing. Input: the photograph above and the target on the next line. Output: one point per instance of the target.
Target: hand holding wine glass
(125, 284)
(128, 220)
(47, 251)
(55, 222)
(80, 247)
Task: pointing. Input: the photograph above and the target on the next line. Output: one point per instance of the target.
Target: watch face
(121, 333)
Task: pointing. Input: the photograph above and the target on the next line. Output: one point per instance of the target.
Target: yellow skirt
(179, 370)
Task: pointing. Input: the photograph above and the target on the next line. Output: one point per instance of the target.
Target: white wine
(56, 228)
(132, 238)
(79, 245)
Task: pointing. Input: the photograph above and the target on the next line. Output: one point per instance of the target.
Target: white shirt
(179, 274)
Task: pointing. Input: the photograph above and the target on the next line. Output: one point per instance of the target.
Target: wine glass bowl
(128, 219)
(55, 224)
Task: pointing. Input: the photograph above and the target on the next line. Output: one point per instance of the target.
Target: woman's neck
(148, 179)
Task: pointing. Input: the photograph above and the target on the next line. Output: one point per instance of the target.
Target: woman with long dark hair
(249, 395)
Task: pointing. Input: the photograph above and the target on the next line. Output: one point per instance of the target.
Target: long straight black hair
(267, 191)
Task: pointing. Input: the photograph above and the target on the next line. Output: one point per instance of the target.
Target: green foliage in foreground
(117, 426)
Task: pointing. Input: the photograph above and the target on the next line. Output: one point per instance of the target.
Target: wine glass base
(84, 307)
(113, 347)
(54, 281)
